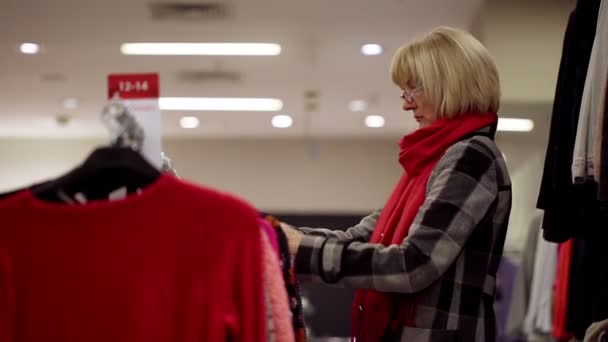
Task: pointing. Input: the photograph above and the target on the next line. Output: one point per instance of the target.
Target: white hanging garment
(583, 167)
(539, 318)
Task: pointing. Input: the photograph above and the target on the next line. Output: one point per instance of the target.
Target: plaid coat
(450, 257)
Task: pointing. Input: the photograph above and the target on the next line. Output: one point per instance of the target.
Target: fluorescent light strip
(515, 125)
(221, 104)
(207, 49)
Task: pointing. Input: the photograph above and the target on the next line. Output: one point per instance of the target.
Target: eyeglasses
(408, 95)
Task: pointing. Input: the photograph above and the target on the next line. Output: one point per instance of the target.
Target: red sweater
(176, 263)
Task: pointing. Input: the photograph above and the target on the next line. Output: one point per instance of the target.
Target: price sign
(140, 93)
(133, 86)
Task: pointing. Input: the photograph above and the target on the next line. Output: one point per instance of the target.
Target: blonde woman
(425, 265)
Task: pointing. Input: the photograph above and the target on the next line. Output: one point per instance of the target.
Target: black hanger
(105, 170)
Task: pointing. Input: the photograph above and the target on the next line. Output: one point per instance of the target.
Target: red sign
(133, 86)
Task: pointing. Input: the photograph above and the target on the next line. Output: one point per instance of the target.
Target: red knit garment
(560, 294)
(420, 152)
(175, 263)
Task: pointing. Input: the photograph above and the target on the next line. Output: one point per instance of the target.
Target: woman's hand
(294, 238)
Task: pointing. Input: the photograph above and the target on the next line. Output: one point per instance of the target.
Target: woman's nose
(408, 106)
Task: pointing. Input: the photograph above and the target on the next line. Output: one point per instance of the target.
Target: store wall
(526, 39)
(289, 176)
(525, 156)
(276, 175)
(525, 160)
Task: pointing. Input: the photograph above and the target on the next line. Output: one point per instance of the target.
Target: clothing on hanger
(597, 161)
(602, 153)
(271, 233)
(561, 330)
(597, 332)
(116, 251)
(291, 282)
(564, 210)
(539, 316)
(145, 268)
(277, 294)
(583, 163)
(588, 281)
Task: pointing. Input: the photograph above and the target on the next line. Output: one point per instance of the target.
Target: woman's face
(416, 101)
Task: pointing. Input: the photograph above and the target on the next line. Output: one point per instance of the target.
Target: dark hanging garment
(579, 303)
(587, 295)
(564, 212)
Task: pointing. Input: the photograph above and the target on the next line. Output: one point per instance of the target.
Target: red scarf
(375, 313)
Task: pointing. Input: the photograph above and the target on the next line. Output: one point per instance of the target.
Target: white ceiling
(320, 40)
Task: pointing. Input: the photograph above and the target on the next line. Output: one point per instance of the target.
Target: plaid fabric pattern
(450, 257)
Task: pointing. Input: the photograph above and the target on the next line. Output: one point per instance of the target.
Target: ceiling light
(374, 121)
(282, 121)
(29, 48)
(515, 125)
(189, 122)
(357, 106)
(371, 49)
(208, 49)
(220, 104)
(70, 103)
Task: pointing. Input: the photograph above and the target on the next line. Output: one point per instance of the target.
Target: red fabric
(276, 294)
(271, 233)
(420, 152)
(560, 295)
(176, 263)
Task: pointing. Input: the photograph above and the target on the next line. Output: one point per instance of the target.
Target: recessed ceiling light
(29, 48)
(70, 103)
(374, 121)
(515, 125)
(372, 49)
(282, 121)
(189, 122)
(221, 104)
(357, 106)
(208, 49)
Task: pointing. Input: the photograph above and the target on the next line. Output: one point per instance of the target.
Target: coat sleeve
(461, 190)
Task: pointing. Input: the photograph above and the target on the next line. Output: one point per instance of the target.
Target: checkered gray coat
(450, 257)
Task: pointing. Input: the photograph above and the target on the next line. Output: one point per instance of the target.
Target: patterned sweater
(450, 257)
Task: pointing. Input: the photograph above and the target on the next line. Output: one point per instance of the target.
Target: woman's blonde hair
(454, 69)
